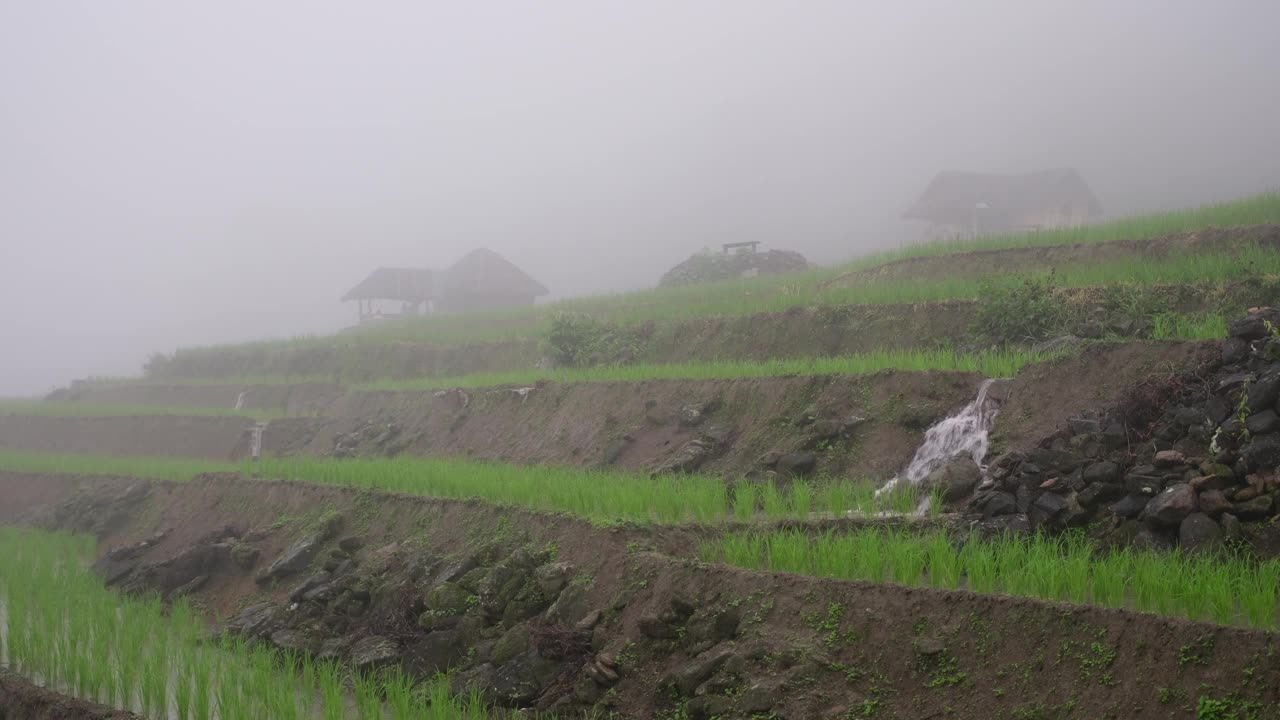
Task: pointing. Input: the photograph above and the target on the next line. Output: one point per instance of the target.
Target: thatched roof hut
(1049, 198)
(411, 285)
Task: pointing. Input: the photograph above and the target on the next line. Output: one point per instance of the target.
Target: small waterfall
(240, 400)
(965, 433)
(255, 439)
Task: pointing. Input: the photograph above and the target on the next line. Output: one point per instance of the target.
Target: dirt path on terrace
(803, 647)
(1039, 259)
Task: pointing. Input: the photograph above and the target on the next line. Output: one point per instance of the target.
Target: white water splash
(255, 440)
(240, 400)
(965, 433)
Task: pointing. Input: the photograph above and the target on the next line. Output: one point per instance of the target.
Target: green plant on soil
(1170, 326)
(65, 630)
(599, 495)
(1230, 589)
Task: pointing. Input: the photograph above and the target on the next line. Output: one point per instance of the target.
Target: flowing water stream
(965, 433)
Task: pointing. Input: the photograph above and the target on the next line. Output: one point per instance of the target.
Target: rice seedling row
(602, 496)
(1228, 589)
(62, 629)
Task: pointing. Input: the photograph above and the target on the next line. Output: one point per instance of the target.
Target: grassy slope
(780, 292)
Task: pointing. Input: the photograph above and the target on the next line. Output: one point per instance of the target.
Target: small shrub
(1020, 311)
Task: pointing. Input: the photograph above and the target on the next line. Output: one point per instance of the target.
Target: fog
(191, 173)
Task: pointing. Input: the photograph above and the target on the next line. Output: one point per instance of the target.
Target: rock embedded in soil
(373, 652)
(1098, 493)
(1198, 533)
(797, 464)
(1213, 503)
(1170, 507)
(1263, 453)
(1258, 508)
(1102, 472)
(687, 677)
(448, 598)
(296, 557)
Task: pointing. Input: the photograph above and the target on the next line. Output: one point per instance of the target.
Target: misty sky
(176, 173)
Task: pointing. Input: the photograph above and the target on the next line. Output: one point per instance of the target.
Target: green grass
(781, 292)
(1224, 589)
(64, 629)
(47, 408)
(1189, 327)
(152, 468)
(599, 495)
(998, 363)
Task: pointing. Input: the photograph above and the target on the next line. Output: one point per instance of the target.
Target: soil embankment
(21, 700)
(213, 438)
(568, 616)
(843, 426)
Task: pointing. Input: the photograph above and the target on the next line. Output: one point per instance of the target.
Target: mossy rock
(515, 642)
(448, 599)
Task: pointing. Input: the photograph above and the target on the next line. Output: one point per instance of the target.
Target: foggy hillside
(175, 175)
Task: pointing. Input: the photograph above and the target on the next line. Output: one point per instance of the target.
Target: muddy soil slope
(867, 424)
(213, 438)
(21, 700)
(567, 616)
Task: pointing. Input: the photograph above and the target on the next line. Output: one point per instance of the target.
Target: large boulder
(797, 464)
(1169, 508)
(296, 557)
(1262, 454)
(1102, 472)
(373, 652)
(1198, 532)
(956, 479)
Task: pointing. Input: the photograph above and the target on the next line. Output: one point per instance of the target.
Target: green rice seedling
(837, 498)
(745, 550)
(870, 562)
(1077, 555)
(773, 501)
(787, 552)
(744, 500)
(979, 559)
(1257, 592)
(906, 557)
(1219, 587)
(368, 697)
(801, 499)
(331, 691)
(401, 698)
(1193, 598)
(943, 561)
(1110, 573)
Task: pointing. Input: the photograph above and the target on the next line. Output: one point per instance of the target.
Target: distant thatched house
(968, 203)
(481, 280)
